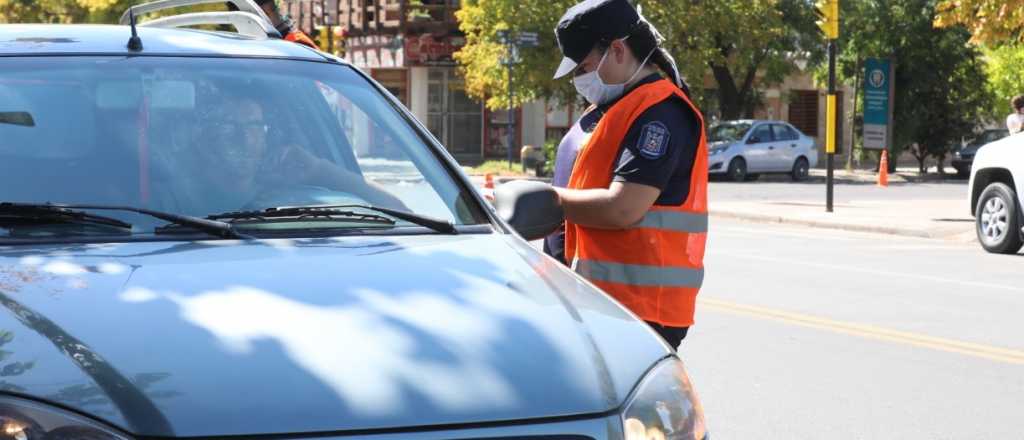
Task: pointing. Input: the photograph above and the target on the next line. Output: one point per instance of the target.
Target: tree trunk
(921, 154)
(729, 100)
(941, 166)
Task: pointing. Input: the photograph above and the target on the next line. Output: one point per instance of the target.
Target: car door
(786, 147)
(760, 144)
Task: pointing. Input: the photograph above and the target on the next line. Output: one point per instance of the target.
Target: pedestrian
(631, 174)
(1015, 122)
(284, 24)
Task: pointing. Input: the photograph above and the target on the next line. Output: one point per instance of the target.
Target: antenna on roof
(134, 43)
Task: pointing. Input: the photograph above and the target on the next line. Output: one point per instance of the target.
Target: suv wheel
(801, 169)
(997, 220)
(738, 170)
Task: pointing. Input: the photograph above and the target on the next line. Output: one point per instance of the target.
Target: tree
(939, 80)
(990, 22)
(41, 11)
(480, 59)
(1005, 68)
(74, 11)
(744, 45)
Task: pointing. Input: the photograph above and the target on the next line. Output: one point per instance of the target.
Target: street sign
(528, 39)
(878, 103)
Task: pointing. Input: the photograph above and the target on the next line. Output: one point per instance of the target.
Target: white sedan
(742, 150)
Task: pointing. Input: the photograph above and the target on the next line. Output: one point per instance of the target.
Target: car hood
(315, 335)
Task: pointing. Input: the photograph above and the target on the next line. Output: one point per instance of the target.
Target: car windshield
(990, 136)
(728, 131)
(204, 136)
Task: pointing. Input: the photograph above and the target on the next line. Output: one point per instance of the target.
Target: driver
(238, 165)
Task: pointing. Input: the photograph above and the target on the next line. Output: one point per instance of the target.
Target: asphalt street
(818, 334)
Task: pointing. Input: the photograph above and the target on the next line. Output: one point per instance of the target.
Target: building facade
(408, 46)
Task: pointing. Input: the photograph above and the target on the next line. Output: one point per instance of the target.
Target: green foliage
(743, 44)
(497, 168)
(480, 58)
(1005, 68)
(940, 79)
(991, 22)
(550, 153)
(75, 11)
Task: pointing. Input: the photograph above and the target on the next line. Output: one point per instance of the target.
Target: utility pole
(513, 42)
(828, 21)
(511, 108)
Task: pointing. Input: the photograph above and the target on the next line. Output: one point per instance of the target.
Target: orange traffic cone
(489, 181)
(883, 170)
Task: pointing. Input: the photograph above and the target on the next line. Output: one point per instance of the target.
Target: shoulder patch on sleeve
(654, 137)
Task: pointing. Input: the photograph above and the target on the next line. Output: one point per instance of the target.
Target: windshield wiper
(55, 214)
(328, 211)
(215, 228)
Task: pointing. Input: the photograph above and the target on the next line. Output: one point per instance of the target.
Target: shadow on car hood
(317, 335)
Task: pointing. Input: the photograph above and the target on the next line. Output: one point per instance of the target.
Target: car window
(202, 136)
(728, 132)
(763, 133)
(784, 133)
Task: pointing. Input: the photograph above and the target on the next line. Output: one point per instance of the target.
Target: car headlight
(664, 406)
(27, 420)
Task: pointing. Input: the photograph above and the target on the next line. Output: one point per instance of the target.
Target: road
(818, 334)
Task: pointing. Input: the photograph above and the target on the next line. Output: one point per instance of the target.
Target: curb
(765, 218)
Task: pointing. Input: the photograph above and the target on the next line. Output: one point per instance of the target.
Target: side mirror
(531, 208)
(754, 140)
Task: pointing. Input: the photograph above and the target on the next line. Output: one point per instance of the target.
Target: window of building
(454, 118)
(803, 111)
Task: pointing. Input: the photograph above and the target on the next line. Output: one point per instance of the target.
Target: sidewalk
(882, 211)
(942, 219)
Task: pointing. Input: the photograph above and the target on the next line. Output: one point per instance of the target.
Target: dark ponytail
(643, 40)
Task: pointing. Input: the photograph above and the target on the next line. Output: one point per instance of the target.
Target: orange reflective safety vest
(656, 267)
(301, 38)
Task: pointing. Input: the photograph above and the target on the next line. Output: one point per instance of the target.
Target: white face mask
(593, 88)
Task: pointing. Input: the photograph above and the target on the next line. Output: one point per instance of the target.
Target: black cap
(588, 23)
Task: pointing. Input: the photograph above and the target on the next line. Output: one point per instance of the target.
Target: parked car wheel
(738, 170)
(801, 170)
(997, 220)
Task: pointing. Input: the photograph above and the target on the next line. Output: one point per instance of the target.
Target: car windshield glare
(728, 131)
(200, 136)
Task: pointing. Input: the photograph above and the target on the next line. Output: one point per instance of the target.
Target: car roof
(752, 121)
(57, 39)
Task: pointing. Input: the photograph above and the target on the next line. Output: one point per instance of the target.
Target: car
(743, 150)
(964, 157)
(997, 180)
(222, 234)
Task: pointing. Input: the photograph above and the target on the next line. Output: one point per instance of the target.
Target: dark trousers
(673, 335)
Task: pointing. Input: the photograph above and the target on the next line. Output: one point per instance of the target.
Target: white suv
(996, 180)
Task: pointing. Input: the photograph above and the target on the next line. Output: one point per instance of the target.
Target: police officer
(631, 175)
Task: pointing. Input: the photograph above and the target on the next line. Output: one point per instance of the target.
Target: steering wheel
(301, 195)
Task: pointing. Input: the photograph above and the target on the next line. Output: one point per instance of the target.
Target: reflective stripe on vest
(639, 275)
(655, 267)
(677, 221)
